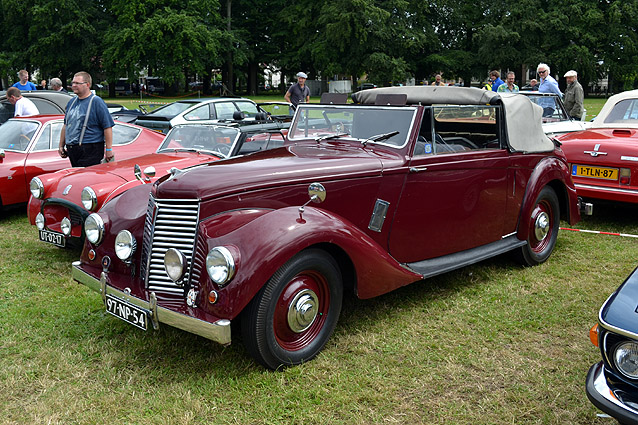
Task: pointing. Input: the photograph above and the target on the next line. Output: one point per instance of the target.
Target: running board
(439, 265)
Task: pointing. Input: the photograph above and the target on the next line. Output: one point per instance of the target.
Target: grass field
(494, 343)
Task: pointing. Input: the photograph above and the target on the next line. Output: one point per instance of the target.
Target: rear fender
(551, 172)
(264, 240)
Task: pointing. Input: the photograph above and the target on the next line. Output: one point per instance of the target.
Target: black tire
(543, 229)
(275, 333)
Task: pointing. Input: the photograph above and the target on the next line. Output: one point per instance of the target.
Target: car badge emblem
(67, 189)
(595, 152)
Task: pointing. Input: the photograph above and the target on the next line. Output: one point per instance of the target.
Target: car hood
(619, 310)
(277, 167)
(105, 178)
(601, 145)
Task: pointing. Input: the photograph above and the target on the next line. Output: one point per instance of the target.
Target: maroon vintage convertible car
(409, 183)
(29, 147)
(604, 158)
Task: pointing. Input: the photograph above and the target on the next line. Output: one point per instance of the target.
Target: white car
(556, 121)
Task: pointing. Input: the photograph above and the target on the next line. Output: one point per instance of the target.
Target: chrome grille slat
(170, 223)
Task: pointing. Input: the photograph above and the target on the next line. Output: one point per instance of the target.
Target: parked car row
(271, 221)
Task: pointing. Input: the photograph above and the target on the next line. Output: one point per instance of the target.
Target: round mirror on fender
(149, 173)
(137, 171)
(317, 193)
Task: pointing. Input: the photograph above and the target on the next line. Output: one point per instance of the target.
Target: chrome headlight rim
(626, 353)
(94, 228)
(89, 198)
(175, 265)
(220, 265)
(37, 188)
(39, 221)
(65, 226)
(125, 245)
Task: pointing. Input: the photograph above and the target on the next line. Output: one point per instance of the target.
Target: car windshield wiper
(379, 137)
(330, 136)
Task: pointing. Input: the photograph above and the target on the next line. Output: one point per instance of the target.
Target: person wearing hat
(298, 92)
(574, 96)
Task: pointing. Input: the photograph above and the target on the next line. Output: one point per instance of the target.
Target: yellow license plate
(595, 172)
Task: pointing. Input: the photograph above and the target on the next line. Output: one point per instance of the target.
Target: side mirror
(2, 155)
(317, 193)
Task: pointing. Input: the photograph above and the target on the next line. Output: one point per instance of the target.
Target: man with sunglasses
(547, 85)
(87, 133)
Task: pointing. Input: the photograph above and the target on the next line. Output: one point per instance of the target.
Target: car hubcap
(303, 310)
(541, 226)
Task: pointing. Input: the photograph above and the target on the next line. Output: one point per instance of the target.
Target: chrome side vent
(170, 223)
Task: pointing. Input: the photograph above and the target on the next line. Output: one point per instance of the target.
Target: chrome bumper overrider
(218, 331)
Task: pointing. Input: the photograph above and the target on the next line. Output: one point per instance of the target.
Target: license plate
(130, 313)
(595, 172)
(54, 238)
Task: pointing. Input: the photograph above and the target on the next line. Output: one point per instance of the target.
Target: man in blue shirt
(547, 85)
(495, 76)
(87, 134)
(24, 84)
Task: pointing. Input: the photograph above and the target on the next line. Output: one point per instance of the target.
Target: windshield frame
(208, 127)
(351, 108)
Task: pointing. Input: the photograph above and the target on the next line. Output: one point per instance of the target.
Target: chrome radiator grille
(170, 223)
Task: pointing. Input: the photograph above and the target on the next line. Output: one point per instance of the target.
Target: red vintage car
(407, 183)
(29, 147)
(61, 201)
(603, 160)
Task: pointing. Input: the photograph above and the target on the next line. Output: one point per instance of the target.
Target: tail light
(625, 176)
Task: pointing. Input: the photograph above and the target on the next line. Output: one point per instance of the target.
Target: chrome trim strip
(508, 235)
(613, 328)
(600, 384)
(218, 331)
(608, 189)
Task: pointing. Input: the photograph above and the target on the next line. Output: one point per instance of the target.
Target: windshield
(625, 111)
(172, 109)
(353, 122)
(16, 134)
(552, 112)
(200, 138)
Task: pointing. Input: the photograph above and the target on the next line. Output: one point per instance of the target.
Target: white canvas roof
(604, 115)
(523, 118)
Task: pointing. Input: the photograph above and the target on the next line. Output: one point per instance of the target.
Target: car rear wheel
(292, 317)
(543, 228)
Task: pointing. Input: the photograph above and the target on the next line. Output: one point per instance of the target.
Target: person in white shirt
(23, 106)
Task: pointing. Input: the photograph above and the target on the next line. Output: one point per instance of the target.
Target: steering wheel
(468, 143)
(222, 148)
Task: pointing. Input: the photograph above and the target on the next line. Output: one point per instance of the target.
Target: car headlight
(220, 265)
(175, 264)
(125, 245)
(65, 226)
(89, 198)
(626, 358)
(94, 228)
(39, 221)
(37, 188)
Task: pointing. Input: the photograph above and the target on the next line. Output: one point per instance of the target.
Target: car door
(43, 153)
(454, 196)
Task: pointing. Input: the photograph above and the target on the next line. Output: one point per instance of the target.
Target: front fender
(554, 172)
(266, 240)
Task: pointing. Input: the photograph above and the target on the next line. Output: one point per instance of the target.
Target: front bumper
(218, 331)
(603, 397)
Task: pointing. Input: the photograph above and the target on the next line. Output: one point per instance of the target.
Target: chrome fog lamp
(37, 188)
(175, 265)
(39, 221)
(89, 198)
(626, 359)
(65, 226)
(125, 245)
(220, 265)
(94, 228)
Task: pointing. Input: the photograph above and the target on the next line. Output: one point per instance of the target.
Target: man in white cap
(574, 96)
(298, 92)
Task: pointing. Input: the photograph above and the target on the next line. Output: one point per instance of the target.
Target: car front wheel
(292, 317)
(543, 228)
